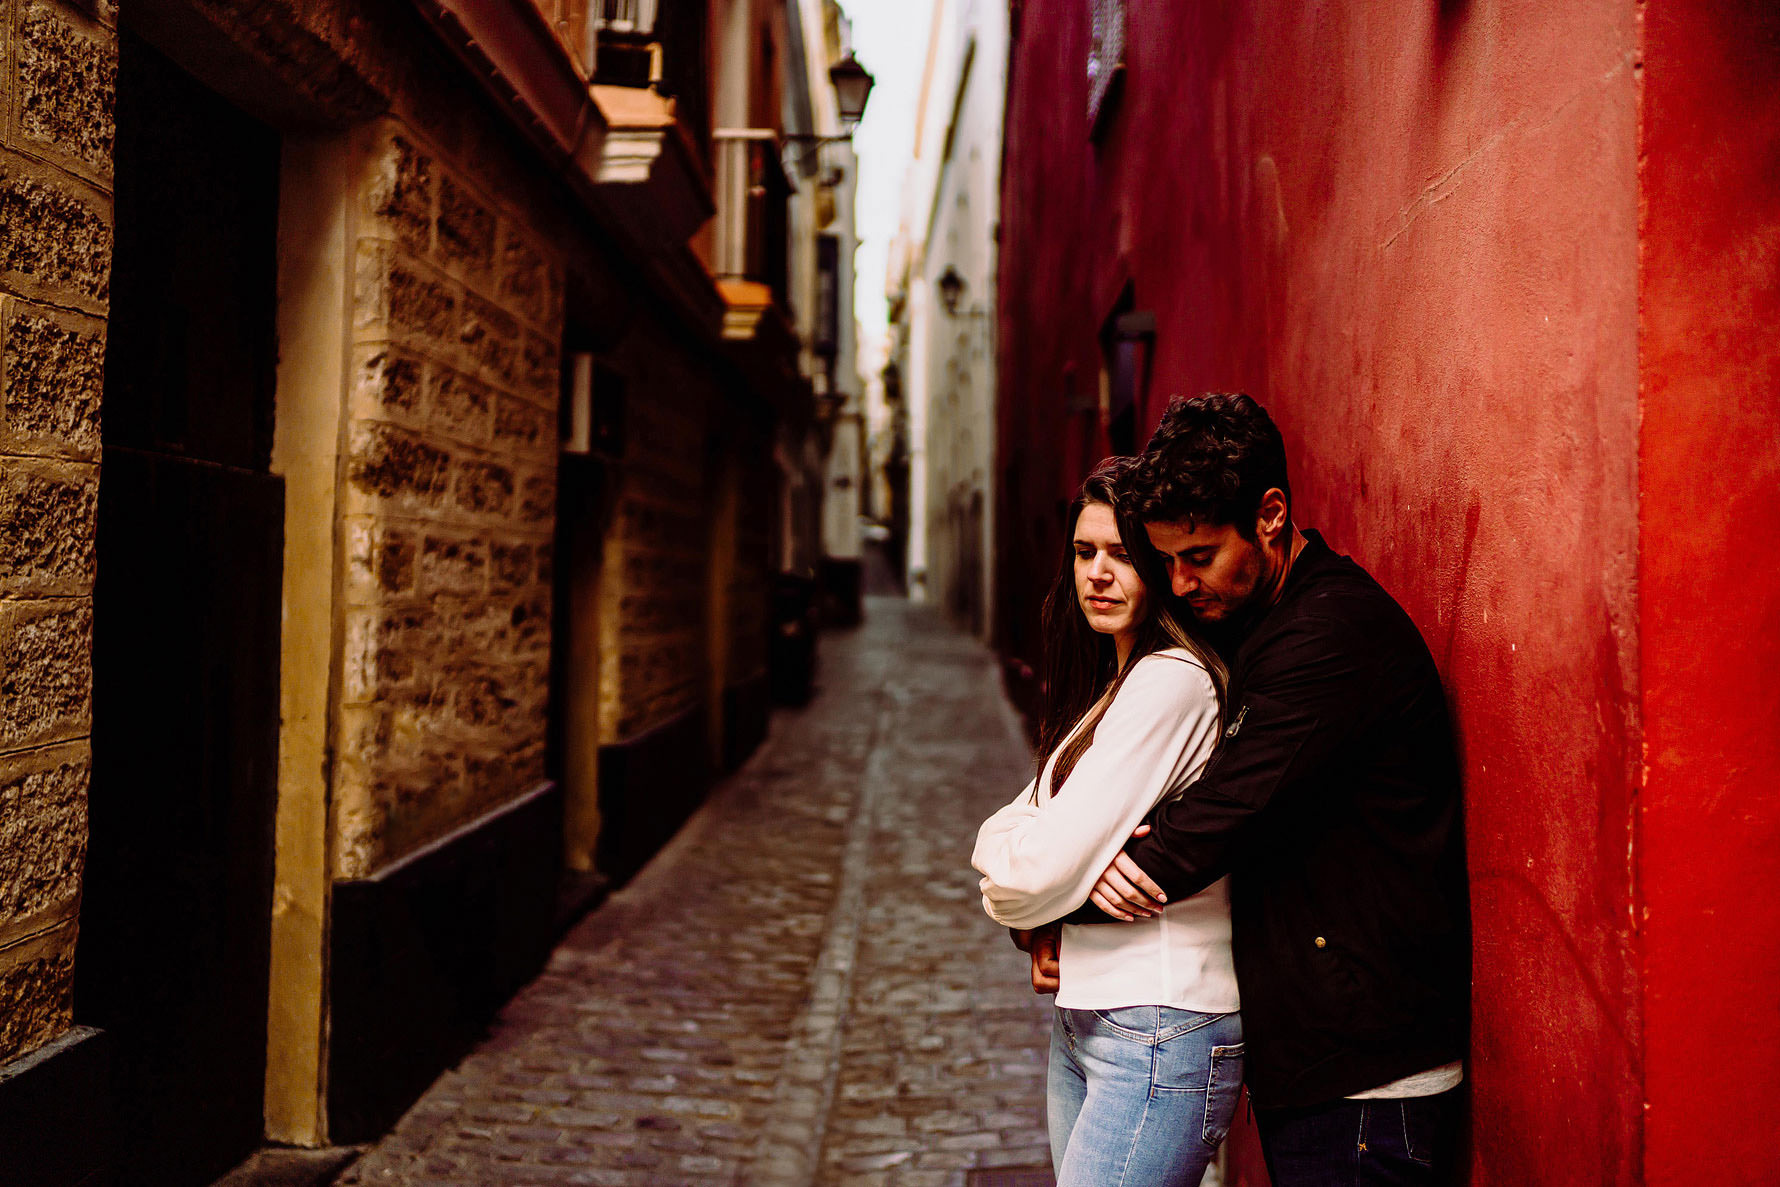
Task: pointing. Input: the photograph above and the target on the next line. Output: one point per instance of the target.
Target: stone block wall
(58, 74)
(447, 503)
(658, 641)
(654, 644)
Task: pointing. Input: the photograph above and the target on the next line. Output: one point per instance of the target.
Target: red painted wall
(1411, 229)
(1710, 631)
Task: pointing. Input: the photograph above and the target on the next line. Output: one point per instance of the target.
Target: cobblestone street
(802, 988)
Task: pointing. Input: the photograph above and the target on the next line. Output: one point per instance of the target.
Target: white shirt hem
(1432, 1082)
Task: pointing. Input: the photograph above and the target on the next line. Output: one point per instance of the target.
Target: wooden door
(176, 913)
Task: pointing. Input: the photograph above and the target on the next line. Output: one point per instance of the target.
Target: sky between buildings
(890, 40)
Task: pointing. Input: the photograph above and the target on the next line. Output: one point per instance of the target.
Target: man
(1333, 803)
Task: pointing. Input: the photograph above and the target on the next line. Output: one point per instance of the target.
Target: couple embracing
(1242, 858)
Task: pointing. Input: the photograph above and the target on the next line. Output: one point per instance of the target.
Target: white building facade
(824, 171)
(942, 284)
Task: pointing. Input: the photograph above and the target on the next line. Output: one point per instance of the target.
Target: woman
(1146, 1049)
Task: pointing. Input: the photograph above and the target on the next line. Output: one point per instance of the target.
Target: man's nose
(1181, 581)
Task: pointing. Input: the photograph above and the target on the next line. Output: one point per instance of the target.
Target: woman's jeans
(1141, 1096)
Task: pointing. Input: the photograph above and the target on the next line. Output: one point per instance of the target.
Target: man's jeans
(1358, 1143)
(1141, 1096)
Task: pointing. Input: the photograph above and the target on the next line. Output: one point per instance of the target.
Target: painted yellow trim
(314, 334)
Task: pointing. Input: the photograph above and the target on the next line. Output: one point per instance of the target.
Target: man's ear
(1273, 516)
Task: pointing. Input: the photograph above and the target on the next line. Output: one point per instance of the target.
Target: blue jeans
(1364, 1143)
(1141, 1096)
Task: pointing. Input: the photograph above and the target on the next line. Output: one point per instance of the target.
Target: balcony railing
(753, 194)
(635, 17)
(642, 43)
(610, 37)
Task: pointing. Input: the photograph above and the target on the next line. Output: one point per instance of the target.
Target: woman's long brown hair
(1081, 665)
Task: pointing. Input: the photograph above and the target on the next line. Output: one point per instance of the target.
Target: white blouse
(1039, 861)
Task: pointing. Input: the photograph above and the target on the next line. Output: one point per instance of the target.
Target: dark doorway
(176, 914)
(971, 562)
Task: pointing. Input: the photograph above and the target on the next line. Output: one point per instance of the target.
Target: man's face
(1212, 566)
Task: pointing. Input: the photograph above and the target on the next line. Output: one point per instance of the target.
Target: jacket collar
(1315, 559)
(1316, 556)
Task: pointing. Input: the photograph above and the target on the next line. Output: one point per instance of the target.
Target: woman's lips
(1104, 603)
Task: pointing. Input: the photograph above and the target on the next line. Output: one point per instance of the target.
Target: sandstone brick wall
(57, 80)
(658, 642)
(447, 506)
(654, 644)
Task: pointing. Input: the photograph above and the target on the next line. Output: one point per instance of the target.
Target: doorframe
(316, 233)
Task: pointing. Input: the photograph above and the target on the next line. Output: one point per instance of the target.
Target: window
(1127, 349)
(1106, 57)
(828, 297)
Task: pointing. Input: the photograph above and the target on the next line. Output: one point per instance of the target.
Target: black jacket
(1333, 803)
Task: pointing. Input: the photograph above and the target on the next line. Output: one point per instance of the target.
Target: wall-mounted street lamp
(852, 89)
(951, 290)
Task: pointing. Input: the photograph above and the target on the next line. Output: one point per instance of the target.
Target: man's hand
(1046, 942)
(1022, 937)
(1125, 891)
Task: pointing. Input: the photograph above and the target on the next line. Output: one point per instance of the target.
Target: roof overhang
(515, 55)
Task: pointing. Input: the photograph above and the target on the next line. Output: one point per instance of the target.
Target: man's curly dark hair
(1209, 461)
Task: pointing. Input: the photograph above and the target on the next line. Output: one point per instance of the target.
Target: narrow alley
(444, 442)
(802, 987)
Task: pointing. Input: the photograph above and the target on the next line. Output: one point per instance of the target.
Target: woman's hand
(1125, 891)
(1046, 941)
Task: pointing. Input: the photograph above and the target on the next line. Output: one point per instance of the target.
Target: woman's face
(1107, 586)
